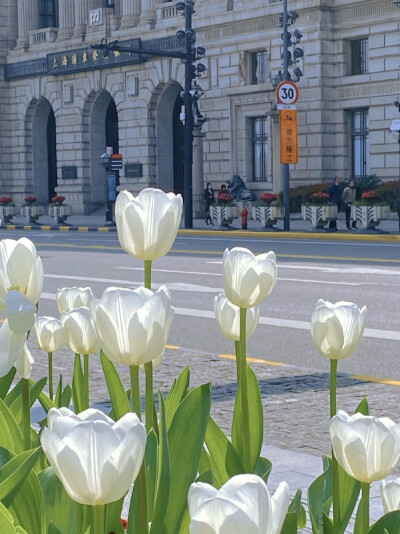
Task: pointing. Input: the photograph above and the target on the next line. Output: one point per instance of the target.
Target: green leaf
(177, 393)
(113, 515)
(296, 507)
(389, 522)
(186, 438)
(16, 469)
(66, 396)
(35, 389)
(57, 398)
(10, 435)
(6, 381)
(224, 459)
(349, 493)
(204, 464)
(7, 523)
(119, 400)
(207, 477)
(164, 473)
(319, 494)
(53, 529)
(363, 407)
(263, 468)
(77, 385)
(290, 524)
(256, 420)
(59, 508)
(151, 471)
(46, 402)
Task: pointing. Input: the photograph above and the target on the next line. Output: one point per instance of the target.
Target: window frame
(359, 56)
(359, 136)
(262, 140)
(258, 60)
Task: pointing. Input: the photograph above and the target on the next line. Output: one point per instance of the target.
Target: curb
(48, 228)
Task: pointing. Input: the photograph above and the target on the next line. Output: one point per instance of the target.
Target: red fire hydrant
(244, 214)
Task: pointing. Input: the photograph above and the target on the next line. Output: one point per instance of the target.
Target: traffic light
(291, 53)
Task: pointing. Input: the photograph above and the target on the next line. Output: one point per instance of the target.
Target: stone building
(62, 103)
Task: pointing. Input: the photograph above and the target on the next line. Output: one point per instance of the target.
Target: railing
(166, 11)
(45, 35)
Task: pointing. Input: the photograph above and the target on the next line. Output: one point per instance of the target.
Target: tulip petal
(24, 363)
(390, 493)
(11, 347)
(199, 492)
(49, 334)
(20, 312)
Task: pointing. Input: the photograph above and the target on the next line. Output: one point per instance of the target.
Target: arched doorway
(169, 135)
(44, 152)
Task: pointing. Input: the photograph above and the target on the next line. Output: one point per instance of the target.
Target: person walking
(348, 198)
(209, 200)
(335, 196)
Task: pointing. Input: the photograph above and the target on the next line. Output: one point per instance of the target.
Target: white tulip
(242, 505)
(228, 318)
(390, 493)
(368, 448)
(11, 347)
(69, 298)
(49, 334)
(24, 362)
(20, 312)
(80, 331)
(20, 269)
(95, 458)
(248, 279)
(133, 325)
(147, 224)
(337, 329)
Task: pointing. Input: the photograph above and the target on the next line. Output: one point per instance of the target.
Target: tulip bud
(390, 493)
(337, 329)
(368, 448)
(80, 331)
(69, 298)
(248, 279)
(96, 458)
(133, 325)
(49, 334)
(147, 224)
(228, 318)
(243, 504)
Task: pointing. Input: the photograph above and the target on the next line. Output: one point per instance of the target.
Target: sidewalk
(386, 231)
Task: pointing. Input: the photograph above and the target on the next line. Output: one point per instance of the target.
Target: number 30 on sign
(287, 93)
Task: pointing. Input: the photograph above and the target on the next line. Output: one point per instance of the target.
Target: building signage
(69, 172)
(287, 93)
(96, 17)
(289, 142)
(133, 170)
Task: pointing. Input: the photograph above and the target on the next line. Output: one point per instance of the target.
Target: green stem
(148, 368)
(50, 371)
(147, 274)
(79, 518)
(243, 389)
(135, 390)
(335, 465)
(26, 413)
(98, 519)
(142, 508)
(364, 506)
(237, 352)
(86, 379)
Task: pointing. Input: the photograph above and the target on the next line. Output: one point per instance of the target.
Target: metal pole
(398, 192)
(286, 172)
(188, 132)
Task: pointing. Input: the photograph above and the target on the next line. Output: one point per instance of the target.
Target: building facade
(62, 102)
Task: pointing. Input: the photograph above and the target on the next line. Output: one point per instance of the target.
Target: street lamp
(191, 54)
(395, 131)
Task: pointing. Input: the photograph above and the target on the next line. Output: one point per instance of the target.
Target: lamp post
(395, 131)
(190, 54)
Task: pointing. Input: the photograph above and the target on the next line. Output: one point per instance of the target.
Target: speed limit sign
(287, 93)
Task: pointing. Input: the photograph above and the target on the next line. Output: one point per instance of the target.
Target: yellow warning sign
(289, 142)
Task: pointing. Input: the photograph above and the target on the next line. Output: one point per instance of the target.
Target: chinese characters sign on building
(289, 143)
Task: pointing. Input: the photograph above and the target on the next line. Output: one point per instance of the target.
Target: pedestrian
(335, 196)
(209, 200)
(348, 198)
(223, 195)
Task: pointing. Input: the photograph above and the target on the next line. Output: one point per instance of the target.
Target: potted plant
(7, 209)
(318, 210)
(369, 211)
(58, 210)
(268, 210)
(30, 210)
(224, 210)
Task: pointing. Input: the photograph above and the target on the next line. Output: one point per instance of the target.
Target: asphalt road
(364, 273)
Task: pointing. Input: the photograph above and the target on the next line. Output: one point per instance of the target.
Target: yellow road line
(377, 380)
(172, 347)
(102, 229)
(254, 360)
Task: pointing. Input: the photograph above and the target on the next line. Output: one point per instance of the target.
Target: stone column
(198, 173)
(28, 20)
(81, 14)
(130, 13)
(148, 14)
(66, 13)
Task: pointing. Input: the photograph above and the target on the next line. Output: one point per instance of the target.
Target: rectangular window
(359, 56)
(258, 67)
(259, 141)
(48, 14)
(360, 142)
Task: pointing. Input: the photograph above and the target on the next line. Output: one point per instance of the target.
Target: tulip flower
(228, 318)
(337, 329)
(11, 347)
(20, 312)
(80, 331)
(147, 224)
(241, 505)
(248, 279)
(21, 269)
(96, 458)
(367, 447)
(49, 334)
(24, 362)
(133, 325)
(390, 493)
(69, 298)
